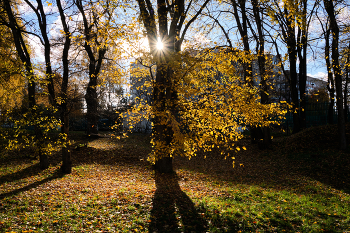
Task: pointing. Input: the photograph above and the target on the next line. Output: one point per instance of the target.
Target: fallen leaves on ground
(113, 189)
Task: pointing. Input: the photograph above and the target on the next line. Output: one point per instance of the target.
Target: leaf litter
(113, 189)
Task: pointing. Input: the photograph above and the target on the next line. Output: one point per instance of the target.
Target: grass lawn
(301, 184)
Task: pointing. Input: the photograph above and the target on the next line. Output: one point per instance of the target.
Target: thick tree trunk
(92, 115)
(287, 22)
(164, 165)
(96, 52)
(66, 159)
(164, 93)
(293, 82)
(294, 92)
(260, 49)
(44, 162)
(163, 131)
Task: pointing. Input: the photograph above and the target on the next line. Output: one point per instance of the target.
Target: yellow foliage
(212, 107)
(11, 79)
(20, 133)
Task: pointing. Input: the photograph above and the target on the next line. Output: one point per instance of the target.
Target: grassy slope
(300, 185)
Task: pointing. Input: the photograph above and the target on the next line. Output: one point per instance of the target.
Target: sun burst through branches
(160, 45)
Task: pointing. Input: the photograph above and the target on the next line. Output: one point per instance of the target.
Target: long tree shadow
(55, 175)
(32, 170)
(173, 210)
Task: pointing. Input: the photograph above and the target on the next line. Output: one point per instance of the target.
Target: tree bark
(92, 107)
(291, 43)
(347, 64)
(301, 48)
(164, 91)
(260, 48)
(95, 64)
(66, 159)
(24, 55)
(329, 6)
(41, 16)
(330, 80)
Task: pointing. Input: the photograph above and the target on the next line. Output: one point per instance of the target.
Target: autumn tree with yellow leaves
(199, 100)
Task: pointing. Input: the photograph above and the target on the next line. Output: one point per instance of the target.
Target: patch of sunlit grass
(245, 208)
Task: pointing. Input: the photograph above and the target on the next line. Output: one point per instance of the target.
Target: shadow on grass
(173, 210)
(32, 170)
(55, 175)
(275, 168)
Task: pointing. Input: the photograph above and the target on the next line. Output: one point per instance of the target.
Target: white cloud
(37, 50)
(344, 14)
(319, 75)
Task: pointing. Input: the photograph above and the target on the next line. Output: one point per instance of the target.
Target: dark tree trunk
(260, 49)
(302, 47)
(95, 64)
(347, 64)
(163, 103)
(337, 72)
(41, 16)
(291, 43)
(330, 85)
(346, 107)
(24, 55)
(92, 115)
(164, 165)
(164, 92)
(302, 39)
(66, 159)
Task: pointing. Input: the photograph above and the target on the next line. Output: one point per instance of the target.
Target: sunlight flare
(160, 45)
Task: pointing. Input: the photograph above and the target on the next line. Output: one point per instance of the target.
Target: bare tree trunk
(92, 108)
(337, 72)
(24, 55)
(260, 48)
(66, 159)
(330, 80)
(346, 107)
(162, 102)
(302, 43)
(347, 64)
(301, 48)
(293, 85)
(92, 44)
(66, 156)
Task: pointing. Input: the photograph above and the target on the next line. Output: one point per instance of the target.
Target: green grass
(113, 189)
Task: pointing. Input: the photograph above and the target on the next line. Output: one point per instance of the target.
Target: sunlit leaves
(213, 104)
(20, 131)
